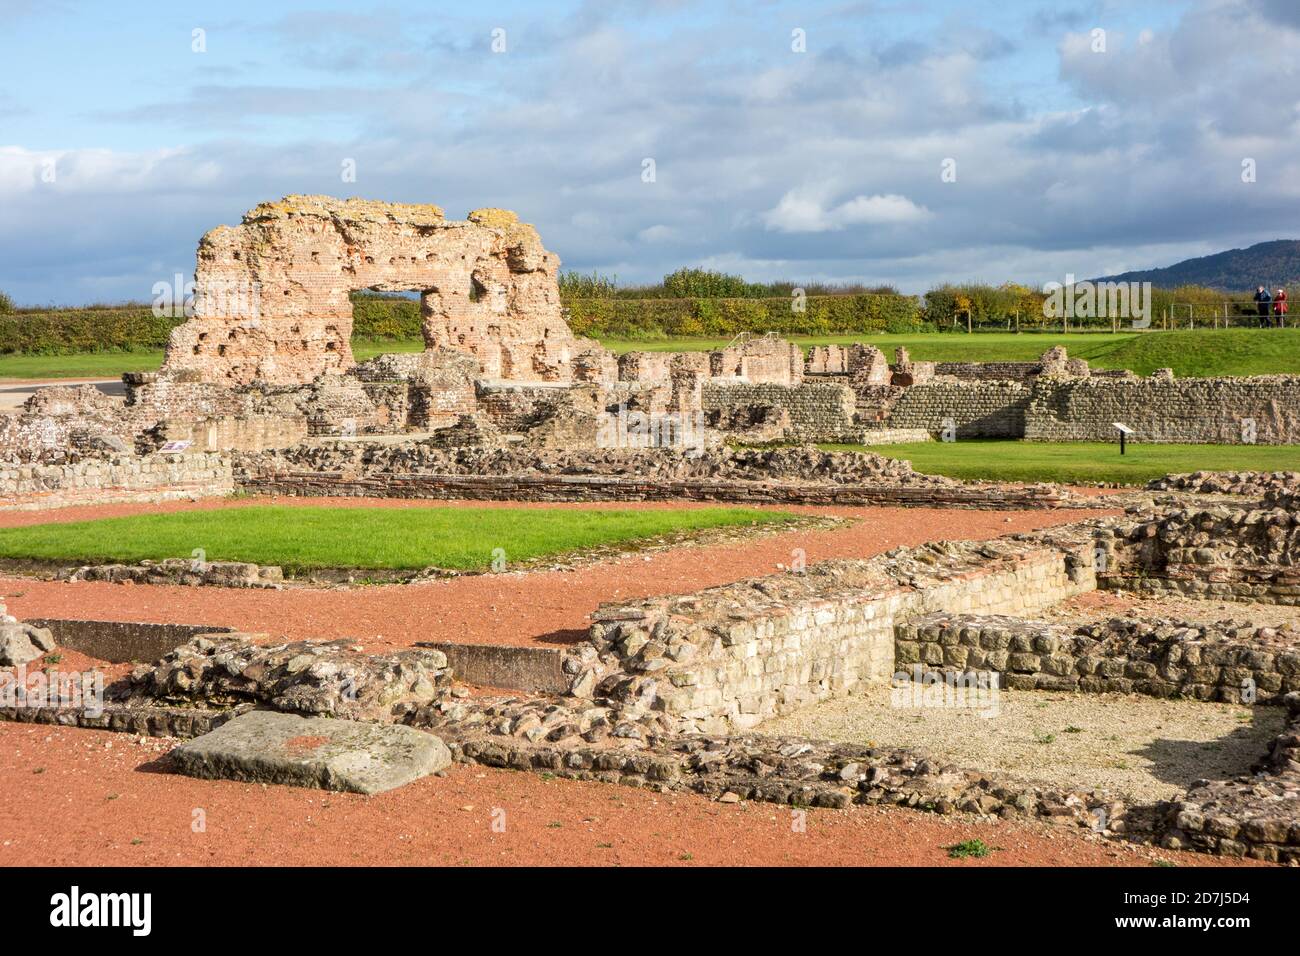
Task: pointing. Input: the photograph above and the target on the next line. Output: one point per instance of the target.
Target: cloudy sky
(904, 141)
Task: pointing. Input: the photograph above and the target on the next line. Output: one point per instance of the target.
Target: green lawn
(1203, 352)
(81, 365)
(113, 364)
(361, 537)
(1080, 461)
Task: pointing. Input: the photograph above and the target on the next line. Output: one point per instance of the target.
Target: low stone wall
(818, 411)
(1014, 400)
(1214, 410)
(1233, 554)
(732, 656)
(180, 722)
(976, 409)
(601, 488)
(122, 641)
(1252, 484)
(182, 571)
(428, 457)
(329, 678)
(423, 469)
(120, 478)
(1255, 814)
(1157, 658)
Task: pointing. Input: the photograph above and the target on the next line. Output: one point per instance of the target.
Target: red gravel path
(542, 607)
(91, 798)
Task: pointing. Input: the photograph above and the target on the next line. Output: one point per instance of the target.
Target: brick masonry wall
(487, 286)
(122, 478)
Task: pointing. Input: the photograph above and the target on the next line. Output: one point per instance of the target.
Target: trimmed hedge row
(823, 315)
(65, 332)
(71, 331)
(68, 331)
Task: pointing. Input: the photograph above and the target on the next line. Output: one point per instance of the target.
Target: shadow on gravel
(1182, 762)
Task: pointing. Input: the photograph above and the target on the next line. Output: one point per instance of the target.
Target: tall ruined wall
(272, 302)
(1194, 410)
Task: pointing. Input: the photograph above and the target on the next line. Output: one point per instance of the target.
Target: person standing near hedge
(1279, 309)
(1262, 300)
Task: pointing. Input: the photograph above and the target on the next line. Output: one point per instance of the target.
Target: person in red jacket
(1279, 309)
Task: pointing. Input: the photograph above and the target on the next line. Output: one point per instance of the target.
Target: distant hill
(1272, 264)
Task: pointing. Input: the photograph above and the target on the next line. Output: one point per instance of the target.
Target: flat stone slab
(266, 746)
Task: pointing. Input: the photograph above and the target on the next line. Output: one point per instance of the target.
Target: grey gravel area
(1145, 748)
(1099, 605)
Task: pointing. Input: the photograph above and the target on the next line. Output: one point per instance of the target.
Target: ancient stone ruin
(265, 364)
(272, 300)
(260, 394)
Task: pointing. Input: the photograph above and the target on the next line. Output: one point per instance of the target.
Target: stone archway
(273, 304)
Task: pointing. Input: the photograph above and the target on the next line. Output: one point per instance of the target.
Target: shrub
(823, 315)
(69, 331)
(969, 848)
(384, 318)
(703, 283)
(987, 306)
(578, 285)
(6, 303)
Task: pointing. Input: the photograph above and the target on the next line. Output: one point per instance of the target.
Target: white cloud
(825, 165)
(657, 233)
(805, 210)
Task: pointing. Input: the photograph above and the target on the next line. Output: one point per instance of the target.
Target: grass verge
(464, 539)
(112, 364)
(1080, 462)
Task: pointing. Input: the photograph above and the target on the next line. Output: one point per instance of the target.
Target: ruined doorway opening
(386, 320)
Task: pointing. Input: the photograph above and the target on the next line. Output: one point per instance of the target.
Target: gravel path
(1144, 747)
(73, 797)
(1097, 605)
(535, 608)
